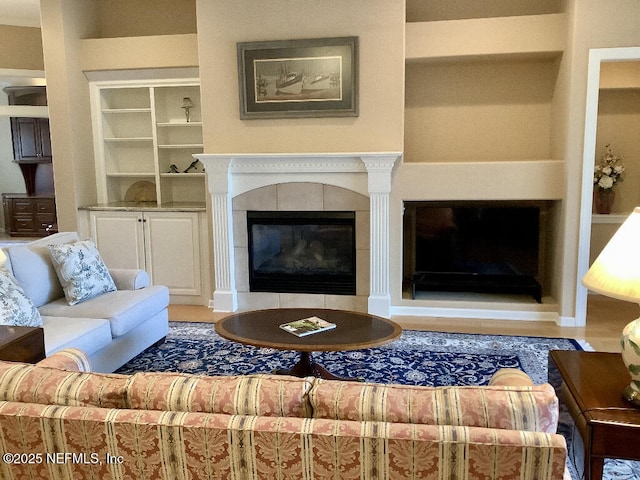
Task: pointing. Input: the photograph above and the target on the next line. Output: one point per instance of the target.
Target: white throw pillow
(81, 271)
(16, 308)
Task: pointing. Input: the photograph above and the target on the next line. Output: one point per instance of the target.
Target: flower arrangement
(608, 171)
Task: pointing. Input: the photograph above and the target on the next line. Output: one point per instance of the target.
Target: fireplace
(302, 252)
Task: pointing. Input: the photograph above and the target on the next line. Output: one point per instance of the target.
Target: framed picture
(298, 78)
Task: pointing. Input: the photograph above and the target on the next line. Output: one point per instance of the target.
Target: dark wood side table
(21, 344)
(592, 384)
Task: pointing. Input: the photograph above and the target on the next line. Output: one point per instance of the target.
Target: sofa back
(525, 408)
(531, 408)
(260, 395)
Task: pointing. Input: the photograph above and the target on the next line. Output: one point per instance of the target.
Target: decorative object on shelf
(616, 273)
(142, 191)
(192, 166)
(607, 173)
(173, 168)
(187, 104)
(298, 78)
(603, 200)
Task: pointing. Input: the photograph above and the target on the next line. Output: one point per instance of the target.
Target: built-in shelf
(178, 176)
(185, 145)
(616, 218)
(126, 110)
(519, 36)
(140, 132)
(182, 124)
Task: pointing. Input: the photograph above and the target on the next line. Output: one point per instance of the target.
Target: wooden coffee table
(592, 390)
(261, 328)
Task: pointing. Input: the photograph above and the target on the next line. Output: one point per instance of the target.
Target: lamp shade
(616, 271)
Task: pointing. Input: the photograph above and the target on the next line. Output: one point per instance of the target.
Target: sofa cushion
(265, 395)
(87, 334)
(15, 307)
(32, 267)
(531, 408)
(20, 382)
(124, 309)
(34, 271)
(81, 271)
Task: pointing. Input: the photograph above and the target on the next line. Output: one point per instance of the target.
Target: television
(476, 246)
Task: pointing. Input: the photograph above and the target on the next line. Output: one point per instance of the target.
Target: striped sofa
(58, 421)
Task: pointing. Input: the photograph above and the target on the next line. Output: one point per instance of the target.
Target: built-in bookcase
(144, 143)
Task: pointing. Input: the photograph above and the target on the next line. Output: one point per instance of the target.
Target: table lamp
(616, 273)
(187, 104)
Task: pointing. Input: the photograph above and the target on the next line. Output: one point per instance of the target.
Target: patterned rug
(416, 358)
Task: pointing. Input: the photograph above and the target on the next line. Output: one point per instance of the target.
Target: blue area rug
(416, 358)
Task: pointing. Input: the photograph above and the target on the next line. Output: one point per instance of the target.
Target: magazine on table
(307, 326)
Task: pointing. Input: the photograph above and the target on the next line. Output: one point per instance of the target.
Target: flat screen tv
(475, 245)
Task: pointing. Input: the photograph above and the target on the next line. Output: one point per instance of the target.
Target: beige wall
(124, 18)
(590, 26)
(21, 48)
(379, 24)
(479, 111)
(64, 23)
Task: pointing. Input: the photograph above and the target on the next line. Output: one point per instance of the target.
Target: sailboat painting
(298, 78)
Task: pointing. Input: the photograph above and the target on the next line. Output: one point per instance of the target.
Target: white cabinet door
(119, 237)
(173, 251)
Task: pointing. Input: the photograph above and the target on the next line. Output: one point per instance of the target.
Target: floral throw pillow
(81, 271)
(16, 308)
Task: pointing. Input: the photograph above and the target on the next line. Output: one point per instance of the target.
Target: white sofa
(111, 328)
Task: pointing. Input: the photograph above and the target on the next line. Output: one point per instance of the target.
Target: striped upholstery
(176, 426)
(21, 382)
(510, 377)
(533, 408)
(183, 445)
(71, 359)
(266, 395)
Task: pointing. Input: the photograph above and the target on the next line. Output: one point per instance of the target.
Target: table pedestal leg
(307, 367)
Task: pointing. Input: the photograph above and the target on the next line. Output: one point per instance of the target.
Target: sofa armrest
(71, 359)
(510, 377)
(130, 278)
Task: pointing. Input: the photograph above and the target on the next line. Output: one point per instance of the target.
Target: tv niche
(302, 252)
(473, 246)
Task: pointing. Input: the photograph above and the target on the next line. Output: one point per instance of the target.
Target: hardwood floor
(606, 318)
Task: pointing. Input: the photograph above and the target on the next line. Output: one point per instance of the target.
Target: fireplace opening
(473, 246)
(302, 252)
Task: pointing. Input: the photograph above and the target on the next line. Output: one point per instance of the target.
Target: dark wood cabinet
(29, 215)
(31, 139)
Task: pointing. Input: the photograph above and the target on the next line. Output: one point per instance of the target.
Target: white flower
(606, 170)
(618, 169)
(605, 182)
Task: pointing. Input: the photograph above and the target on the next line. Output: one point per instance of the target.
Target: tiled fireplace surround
(292, 182)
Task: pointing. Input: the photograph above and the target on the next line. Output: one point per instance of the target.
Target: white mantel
(229, 175)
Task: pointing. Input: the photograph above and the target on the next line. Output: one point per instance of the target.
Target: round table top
(261, 328)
